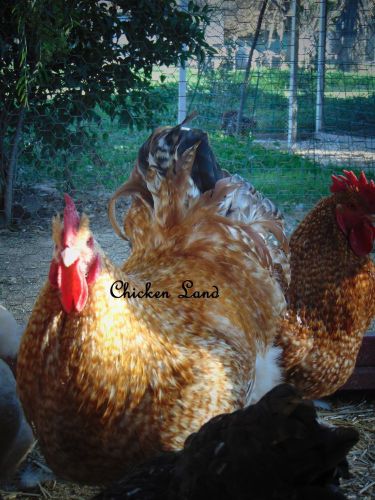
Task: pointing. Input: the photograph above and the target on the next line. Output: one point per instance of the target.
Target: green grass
(286, 178)
(277, 80)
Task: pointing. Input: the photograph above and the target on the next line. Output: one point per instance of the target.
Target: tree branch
(8, 199)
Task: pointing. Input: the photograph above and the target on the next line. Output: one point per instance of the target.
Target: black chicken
(274, 450)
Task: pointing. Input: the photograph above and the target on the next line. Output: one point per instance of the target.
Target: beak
(69, 256)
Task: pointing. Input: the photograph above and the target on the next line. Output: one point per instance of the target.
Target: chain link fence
(280, 145)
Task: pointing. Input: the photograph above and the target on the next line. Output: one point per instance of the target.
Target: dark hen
(165, 145)
(273, 450)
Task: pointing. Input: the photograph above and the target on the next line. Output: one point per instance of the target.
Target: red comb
(71, 221)
(350, 182)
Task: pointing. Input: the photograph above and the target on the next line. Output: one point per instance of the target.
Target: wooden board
(363, 378)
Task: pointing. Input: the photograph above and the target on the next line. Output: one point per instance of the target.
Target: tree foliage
(62, 60)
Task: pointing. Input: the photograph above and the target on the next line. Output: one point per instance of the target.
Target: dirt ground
(25, 255)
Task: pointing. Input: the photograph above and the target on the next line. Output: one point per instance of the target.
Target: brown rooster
(117, 365)
(331, 297)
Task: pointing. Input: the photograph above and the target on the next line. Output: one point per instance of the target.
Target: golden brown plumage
(256, 214)
(108, 382)
(331, 298)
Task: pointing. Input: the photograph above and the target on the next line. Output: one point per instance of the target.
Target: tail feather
(174, 203)
(176, 170)
(232, 211)
(136, 187)
(261, 220)
(166, 197)
(174, 191)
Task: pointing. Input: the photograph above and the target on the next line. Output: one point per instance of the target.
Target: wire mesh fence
(90, 151)
(291, 171)
(97, 151)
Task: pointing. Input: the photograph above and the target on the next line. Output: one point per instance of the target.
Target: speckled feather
(331, 301)
(125, 379)
(331, 294)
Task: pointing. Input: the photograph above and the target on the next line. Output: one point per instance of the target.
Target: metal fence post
(321, 65)
(182, 82)
(293, 104)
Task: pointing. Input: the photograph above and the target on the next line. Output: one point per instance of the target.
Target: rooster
(275, 449)
(117, 365)
(331, 297)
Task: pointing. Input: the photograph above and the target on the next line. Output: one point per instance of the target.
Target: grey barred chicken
(16, 437)
(274, 450)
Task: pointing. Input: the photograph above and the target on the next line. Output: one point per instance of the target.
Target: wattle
(361, 238)
(73, 287)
